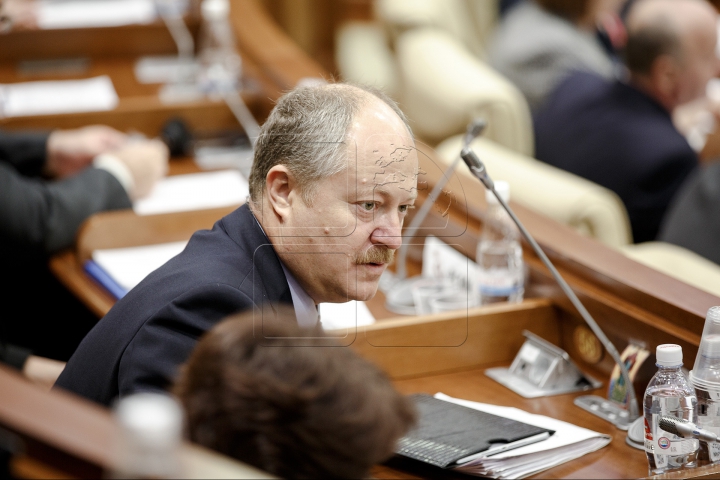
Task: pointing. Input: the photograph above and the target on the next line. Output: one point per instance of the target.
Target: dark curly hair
(290, 401)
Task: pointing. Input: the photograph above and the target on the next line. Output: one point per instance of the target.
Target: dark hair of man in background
(570, 10)
(645, 44)
(294, 407)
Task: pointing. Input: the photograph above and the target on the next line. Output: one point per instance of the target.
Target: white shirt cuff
(117, 168)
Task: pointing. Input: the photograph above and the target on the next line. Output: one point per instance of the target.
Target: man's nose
(388, 231)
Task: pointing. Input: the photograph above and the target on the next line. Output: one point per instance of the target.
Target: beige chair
(425, 53)
(587, 207)
(677, 262)
(470, 21)
(364, 50)
(444, 86)
(363, 55)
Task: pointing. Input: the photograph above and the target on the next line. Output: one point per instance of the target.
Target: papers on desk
(120, 269)
(94, 13)
(344, 316)
(568, 443)
(60, 96)
(195, 191)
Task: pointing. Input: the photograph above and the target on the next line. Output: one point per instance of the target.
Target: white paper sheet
(54, 14)
(195, 191)
(129, 266)
(61, 96)
(341, 316)
(440, 260)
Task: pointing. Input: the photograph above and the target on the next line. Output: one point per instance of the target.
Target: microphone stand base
(605, 409)
(636, 434)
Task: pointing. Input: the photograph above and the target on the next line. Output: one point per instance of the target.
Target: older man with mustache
(334, 174)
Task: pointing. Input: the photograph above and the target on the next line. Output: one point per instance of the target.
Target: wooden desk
(272, 64)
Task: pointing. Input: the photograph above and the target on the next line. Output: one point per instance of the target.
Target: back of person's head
(651, 33)
(570, 10)
(290, 401)
(306, 132)
(672, 42)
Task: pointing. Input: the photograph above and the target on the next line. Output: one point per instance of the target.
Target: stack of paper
(120, 269)
(195, 191)
(568, 442)
(94, 13)
(344, 318)
(60, 96)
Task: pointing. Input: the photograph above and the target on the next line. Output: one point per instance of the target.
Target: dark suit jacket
(693, 219)
(618, 137)
(39, 217)
(45, 216)
(140, 343)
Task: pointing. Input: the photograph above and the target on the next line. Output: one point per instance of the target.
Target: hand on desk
(18, 15)
(69, 151)
(147, 162)
(42, 371)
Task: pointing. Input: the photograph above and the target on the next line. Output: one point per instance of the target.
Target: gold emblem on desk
(587, 344)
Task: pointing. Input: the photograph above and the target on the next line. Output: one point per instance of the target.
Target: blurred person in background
(49, 184)
(620, 134)
(539, 42)
(290, 401)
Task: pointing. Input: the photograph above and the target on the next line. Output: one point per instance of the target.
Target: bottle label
(662, 443)
(713, 448)
(506, 283)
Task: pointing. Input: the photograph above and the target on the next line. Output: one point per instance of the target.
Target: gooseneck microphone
(474, 129)
(478, 169)
(685, 429)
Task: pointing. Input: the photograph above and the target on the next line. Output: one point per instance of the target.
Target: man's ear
(279, 186)
(665, 73)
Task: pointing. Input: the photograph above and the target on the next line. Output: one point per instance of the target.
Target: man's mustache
(375, 255)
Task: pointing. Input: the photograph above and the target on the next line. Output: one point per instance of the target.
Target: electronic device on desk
(541, 369)
(622, 418)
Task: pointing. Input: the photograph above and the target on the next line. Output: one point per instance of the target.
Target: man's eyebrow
(412, 193)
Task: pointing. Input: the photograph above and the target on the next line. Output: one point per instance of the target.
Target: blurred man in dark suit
(49, 184)
(620, 134)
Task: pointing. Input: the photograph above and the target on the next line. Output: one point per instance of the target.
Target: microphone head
(670, 424)
(474, 129)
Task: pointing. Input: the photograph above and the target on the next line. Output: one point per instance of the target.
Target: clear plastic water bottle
(501, 275)
(220, 64)
(669, 393)
(705, 377)
(150, 437)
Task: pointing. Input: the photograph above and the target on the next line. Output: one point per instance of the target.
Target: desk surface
(617, 460)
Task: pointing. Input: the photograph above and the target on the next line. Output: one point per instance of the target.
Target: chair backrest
(470, 21)
(363, 55)
(677, 262)
(587, 207)
(444, 86)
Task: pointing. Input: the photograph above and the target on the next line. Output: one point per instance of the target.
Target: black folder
(448, 435)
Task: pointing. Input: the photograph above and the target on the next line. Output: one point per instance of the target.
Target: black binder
(449, 435)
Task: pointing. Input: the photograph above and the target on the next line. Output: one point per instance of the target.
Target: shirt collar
(306, 311)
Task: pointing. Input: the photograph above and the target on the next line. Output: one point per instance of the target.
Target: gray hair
(306, 132)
